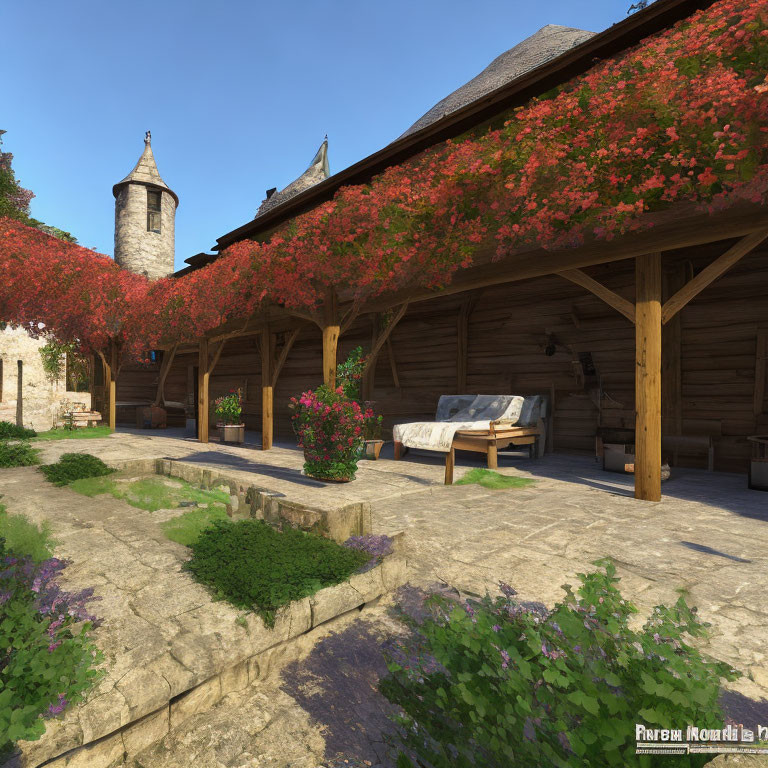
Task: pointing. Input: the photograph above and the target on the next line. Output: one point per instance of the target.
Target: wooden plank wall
(509, 330)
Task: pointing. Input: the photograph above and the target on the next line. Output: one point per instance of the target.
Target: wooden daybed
(500, 434)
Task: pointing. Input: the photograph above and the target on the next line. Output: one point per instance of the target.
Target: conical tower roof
(318, 171)
(145, 172)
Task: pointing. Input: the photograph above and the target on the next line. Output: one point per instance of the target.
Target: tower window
(153, 210)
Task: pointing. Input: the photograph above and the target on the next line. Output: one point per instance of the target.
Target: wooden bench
(487, 441)
(84, 418)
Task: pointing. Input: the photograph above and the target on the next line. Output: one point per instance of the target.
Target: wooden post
(203, 378)
(113, 385)
(331, 329)
(648, 377)
(267, 391)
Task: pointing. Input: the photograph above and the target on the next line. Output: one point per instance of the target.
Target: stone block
(106, 753)
(368, 584)
(333, 601)
(144, 691)
(199, 699)
(147, 731)
(394, 572)
(234, 678)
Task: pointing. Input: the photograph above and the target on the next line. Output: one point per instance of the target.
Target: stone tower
(145, 214)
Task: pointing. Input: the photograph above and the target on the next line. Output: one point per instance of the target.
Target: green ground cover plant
(17, 454)
(256, 567)
(25, 538)
(83, 433)
(493, 480)
(74, 466)
(9, 431)
(498, 683)
(186, 529)
(152, 493)
(47, 660)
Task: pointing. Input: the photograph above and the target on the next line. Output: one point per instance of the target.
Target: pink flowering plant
(329, 427)
(499, 682)
(229, 408)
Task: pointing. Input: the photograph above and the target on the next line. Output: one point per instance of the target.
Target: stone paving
(705, 539)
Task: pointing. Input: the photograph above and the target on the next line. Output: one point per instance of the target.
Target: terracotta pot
(232, 433)
(372, 449)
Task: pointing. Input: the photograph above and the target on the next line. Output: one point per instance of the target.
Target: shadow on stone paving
(245, 465)
(337, 684)
(738, 709)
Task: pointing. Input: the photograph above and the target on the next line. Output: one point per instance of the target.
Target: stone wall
(41, 399)
(136, 249)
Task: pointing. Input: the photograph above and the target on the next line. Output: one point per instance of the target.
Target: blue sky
(238, 94)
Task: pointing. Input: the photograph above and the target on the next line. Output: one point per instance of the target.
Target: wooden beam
(393, 363)
(673, 230)
(648, 378)
(216, 356)
(165, 367)
(349, 318)
(384, 334)
(619, 303)
(369, 373)
(761, 365)
(331, 329)
(710, 273)
(203, 379)
(267, 390)
(284, 352)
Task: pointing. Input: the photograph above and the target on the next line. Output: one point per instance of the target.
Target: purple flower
(496, 628)
(57, 709)
(529, 733)
(504, 658)
(377, 547)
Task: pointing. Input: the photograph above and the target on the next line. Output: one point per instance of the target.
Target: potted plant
(371, 433)
(329, 427)
(228, 410)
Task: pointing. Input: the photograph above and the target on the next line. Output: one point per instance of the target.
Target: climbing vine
(680, 117)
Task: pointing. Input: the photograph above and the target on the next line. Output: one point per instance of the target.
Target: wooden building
(663, 331)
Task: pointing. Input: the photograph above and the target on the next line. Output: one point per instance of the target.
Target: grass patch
(74, 466)
(25, 538)
(186, 529)
(17, 454)
(84, 433)
(493, 480)
(151, 493)
(256, 567)
(9, 431)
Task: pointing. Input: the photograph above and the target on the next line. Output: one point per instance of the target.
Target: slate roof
(546, 44)
(145, 172)
(318, 171)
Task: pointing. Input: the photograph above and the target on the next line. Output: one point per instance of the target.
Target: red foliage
(680, 117)
(78, 294)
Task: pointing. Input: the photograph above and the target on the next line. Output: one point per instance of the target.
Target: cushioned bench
(478, 423)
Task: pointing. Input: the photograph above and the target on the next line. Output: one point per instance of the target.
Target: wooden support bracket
(165, 367)
(619, 303)
(710, 273)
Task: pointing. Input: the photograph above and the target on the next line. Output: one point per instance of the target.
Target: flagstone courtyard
(317, 698)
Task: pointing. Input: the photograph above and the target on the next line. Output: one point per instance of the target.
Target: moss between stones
(487, 478)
